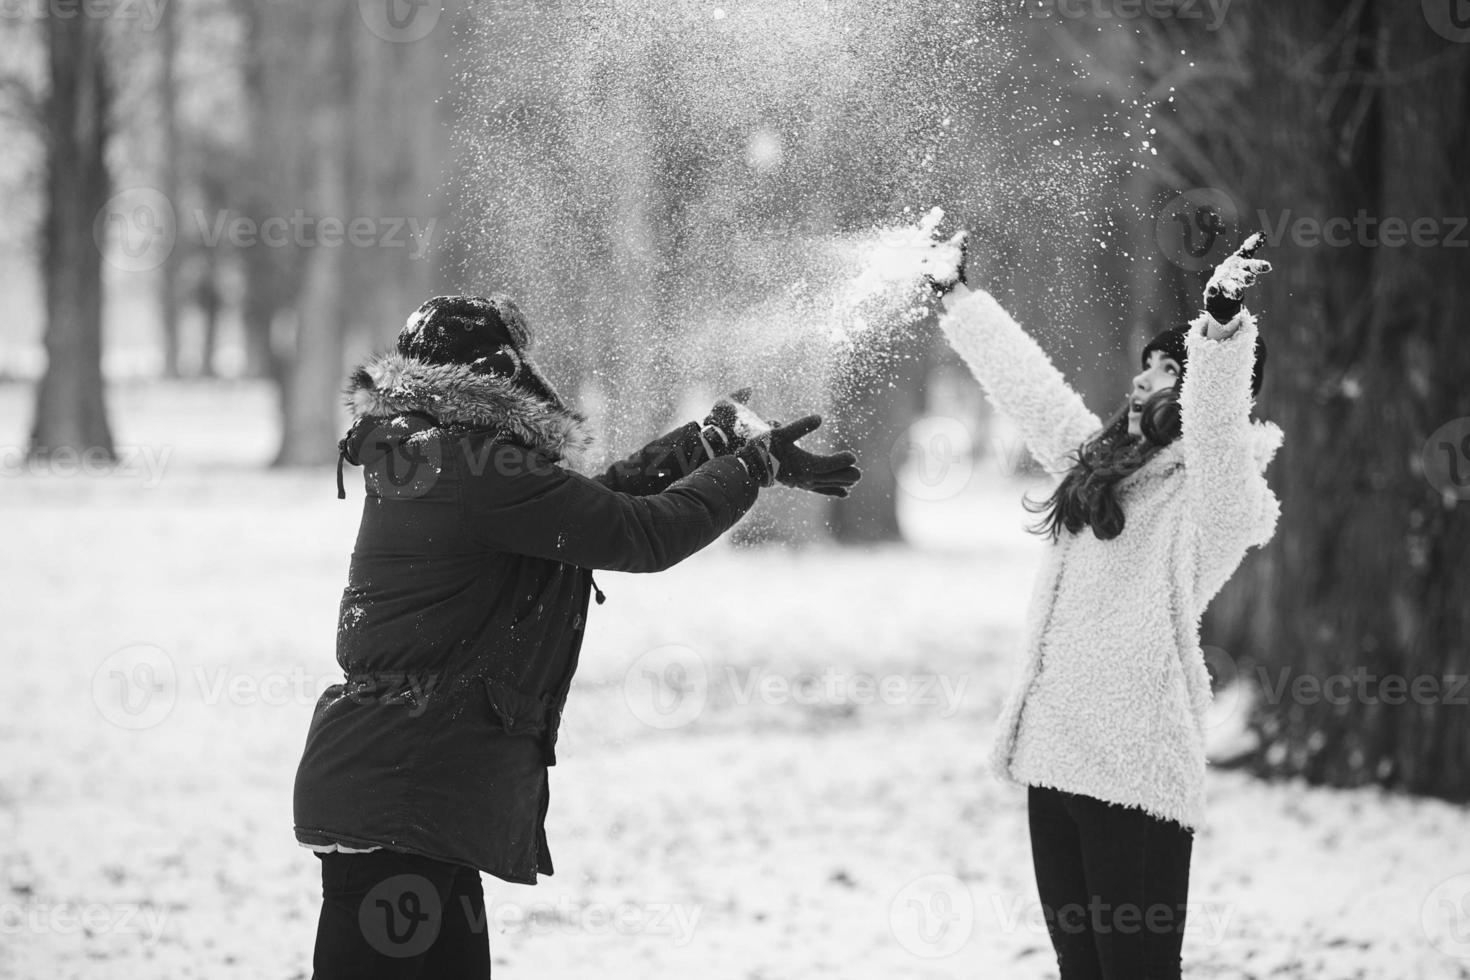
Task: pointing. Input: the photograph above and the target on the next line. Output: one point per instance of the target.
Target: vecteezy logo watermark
(401, 916)
(933, 917)
(148, 13)
(1198, 229)
(1445, 459)
(137, 230)
(401, 463)
(1212, 12)
(401, 21)
(1450, 19)
(92, 918)
(667, 687)
(934, 459)
(139, 687)
(1445, 917)
(136, 687)
(1228, 700)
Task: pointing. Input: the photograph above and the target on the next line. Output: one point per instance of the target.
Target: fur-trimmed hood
(459, 398)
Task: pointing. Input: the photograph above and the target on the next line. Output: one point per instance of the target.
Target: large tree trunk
(874, 407)
(70, 411)
(1366, 581)
(270, 179)
(313, 377)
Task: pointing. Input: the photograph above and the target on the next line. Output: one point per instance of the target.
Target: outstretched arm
(1018, 377)
(732, 429)
(658, 465)
(530, 506)
(669, 458)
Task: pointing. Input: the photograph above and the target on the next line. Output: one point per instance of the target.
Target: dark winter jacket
(466, 604)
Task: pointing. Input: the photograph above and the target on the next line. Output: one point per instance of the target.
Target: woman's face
(1161, 374)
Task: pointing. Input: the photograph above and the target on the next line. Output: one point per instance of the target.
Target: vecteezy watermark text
(403, 915)
(139, 228)
(147, 13)
(1363, 686)
(36, 916)
(1211, 12)
(1364, 230)
(305, 231)
(145, 463)
(835, 687)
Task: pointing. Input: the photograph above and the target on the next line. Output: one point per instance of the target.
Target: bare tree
(311, 378)
(169, 183)
(71, 414)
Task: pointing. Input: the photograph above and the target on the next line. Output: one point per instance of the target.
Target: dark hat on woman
(1171, 343)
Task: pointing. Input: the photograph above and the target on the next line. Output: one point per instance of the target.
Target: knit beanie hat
(489, 335)
(1171, 343)
(463, 329)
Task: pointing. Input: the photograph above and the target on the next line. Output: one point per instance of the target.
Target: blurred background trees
(667, 187)
(1334, 111)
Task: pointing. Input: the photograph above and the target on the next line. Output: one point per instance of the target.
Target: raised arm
(1225, 455)
(1018, 378)
(1230, 505)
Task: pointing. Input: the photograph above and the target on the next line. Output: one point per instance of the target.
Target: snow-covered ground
(812, 805)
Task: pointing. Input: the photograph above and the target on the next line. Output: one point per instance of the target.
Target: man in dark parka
(463, 616)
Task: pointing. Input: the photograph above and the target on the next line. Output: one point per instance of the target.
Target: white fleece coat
(1113, 692)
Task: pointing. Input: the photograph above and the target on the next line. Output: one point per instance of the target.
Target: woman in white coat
(1153, 513)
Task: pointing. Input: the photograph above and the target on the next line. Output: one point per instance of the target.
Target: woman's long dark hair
(1088, 494)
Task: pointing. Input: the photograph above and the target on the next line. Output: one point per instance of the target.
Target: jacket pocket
(519, 713)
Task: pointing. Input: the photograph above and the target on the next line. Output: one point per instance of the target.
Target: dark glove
(833, 475)
(1225, 294)
(723, 433)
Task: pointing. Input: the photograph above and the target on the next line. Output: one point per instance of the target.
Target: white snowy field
(813, 806)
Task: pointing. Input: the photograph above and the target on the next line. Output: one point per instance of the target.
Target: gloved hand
(1224, 296)
(833, 475)
(729, 424)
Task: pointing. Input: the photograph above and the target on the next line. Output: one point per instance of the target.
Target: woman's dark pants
(1114, 883)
